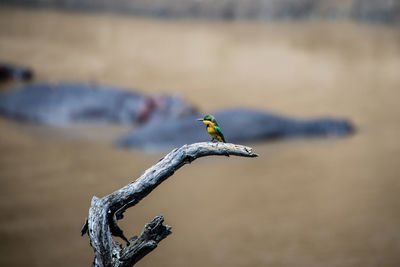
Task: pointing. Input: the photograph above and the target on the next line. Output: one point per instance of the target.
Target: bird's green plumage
(220, 133)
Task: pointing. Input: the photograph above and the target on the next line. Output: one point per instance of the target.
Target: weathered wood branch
(104, 212)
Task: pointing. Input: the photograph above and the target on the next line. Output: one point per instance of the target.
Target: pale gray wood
(104, 212)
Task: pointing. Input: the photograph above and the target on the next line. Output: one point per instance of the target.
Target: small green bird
(213, 128)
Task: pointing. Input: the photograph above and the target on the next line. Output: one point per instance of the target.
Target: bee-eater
(213, 128)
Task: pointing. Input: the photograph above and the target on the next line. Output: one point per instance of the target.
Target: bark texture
(104, 212)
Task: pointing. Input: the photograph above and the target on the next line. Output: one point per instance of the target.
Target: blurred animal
(165, 121)
(241, 125)
(68, 103)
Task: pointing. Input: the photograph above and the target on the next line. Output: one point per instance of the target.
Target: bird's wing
(214, 121)
(220, 133)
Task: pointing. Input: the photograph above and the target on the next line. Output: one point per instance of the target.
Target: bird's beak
(200, 119)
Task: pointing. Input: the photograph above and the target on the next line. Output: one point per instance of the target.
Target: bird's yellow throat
(209, 123)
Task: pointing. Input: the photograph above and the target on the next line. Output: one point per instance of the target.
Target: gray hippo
(66, 103)
(238, 125)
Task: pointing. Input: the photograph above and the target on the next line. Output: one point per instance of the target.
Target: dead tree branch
(104, 212)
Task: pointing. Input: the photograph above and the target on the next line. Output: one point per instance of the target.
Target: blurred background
(303, 202)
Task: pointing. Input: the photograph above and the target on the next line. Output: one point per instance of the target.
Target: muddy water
(301, 203)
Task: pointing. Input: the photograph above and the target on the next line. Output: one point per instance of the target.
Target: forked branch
(104, 212)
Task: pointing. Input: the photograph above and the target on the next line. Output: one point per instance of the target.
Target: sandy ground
(301, 203)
